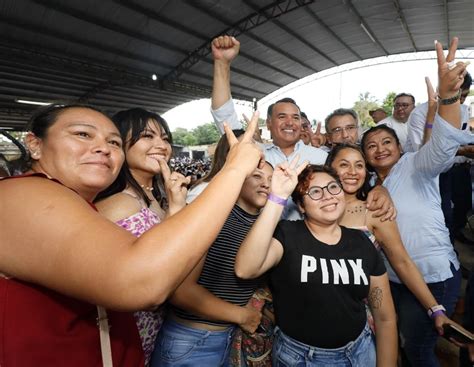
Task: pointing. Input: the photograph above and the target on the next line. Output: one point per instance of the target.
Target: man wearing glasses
(284, 123)
(283, 117)
(342, 126)
(404, 103)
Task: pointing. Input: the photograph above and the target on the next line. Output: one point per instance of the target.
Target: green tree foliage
(201, 135)
(184, 137)
(365, 103)
(206, 134)
(388, 103)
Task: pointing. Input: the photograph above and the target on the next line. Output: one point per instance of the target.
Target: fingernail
(435, 42)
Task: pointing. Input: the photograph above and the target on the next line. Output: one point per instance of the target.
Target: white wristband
(433, 309)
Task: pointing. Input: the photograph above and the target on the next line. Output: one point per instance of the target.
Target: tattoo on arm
(375, 297)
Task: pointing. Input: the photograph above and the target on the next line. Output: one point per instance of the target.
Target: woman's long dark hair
(131, 124)
(364, 190)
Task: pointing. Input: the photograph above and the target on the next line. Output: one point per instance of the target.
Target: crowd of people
(194, 168)
(315, 249)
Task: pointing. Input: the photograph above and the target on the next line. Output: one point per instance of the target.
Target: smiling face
(82, 149)
(402, 108)
(142, 157)
(381, 150)
(350, 167)
(329, 208)
(256, 189)
(343, 129)
(285, 124)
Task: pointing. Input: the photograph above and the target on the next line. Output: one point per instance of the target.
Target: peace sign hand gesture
(450, 74)
(244, 155)
(317, 138)
(285, 177)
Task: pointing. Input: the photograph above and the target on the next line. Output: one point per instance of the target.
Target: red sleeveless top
(40, 327)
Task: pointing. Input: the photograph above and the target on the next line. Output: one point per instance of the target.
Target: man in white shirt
(284, 123)
(283, 117)
(404, 103)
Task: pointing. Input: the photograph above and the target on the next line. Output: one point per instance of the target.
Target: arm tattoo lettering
(375, 297)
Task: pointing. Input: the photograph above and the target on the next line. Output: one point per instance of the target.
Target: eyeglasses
(396, 106)
(347, 129)
(317, 192)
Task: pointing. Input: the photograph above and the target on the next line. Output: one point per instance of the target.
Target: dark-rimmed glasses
(396, 106)
(317, 192)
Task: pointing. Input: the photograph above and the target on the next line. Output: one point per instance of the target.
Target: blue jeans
(290, 352)
(181, 345)
(417, 333)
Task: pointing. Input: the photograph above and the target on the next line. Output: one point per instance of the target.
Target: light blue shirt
(413, 186)
(416, 128)
(273, 154)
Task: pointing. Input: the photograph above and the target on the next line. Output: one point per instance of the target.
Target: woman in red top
(59, 257)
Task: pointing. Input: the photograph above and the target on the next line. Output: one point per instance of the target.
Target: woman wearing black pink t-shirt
(322, 272)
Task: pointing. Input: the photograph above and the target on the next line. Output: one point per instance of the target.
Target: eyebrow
(346, 160)
(85, 124)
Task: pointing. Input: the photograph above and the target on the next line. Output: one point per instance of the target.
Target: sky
(321, 93)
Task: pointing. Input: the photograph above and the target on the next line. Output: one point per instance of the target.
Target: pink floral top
(140, 222)
(148, 322)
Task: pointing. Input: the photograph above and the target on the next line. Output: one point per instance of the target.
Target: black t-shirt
(318, 289)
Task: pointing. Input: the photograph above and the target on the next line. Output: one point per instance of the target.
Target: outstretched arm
(224, 50)
(438, 153)
(432, 108)
(70, 248)
(420, 121)
(450, 80)
(388, 236)
(260, 251)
